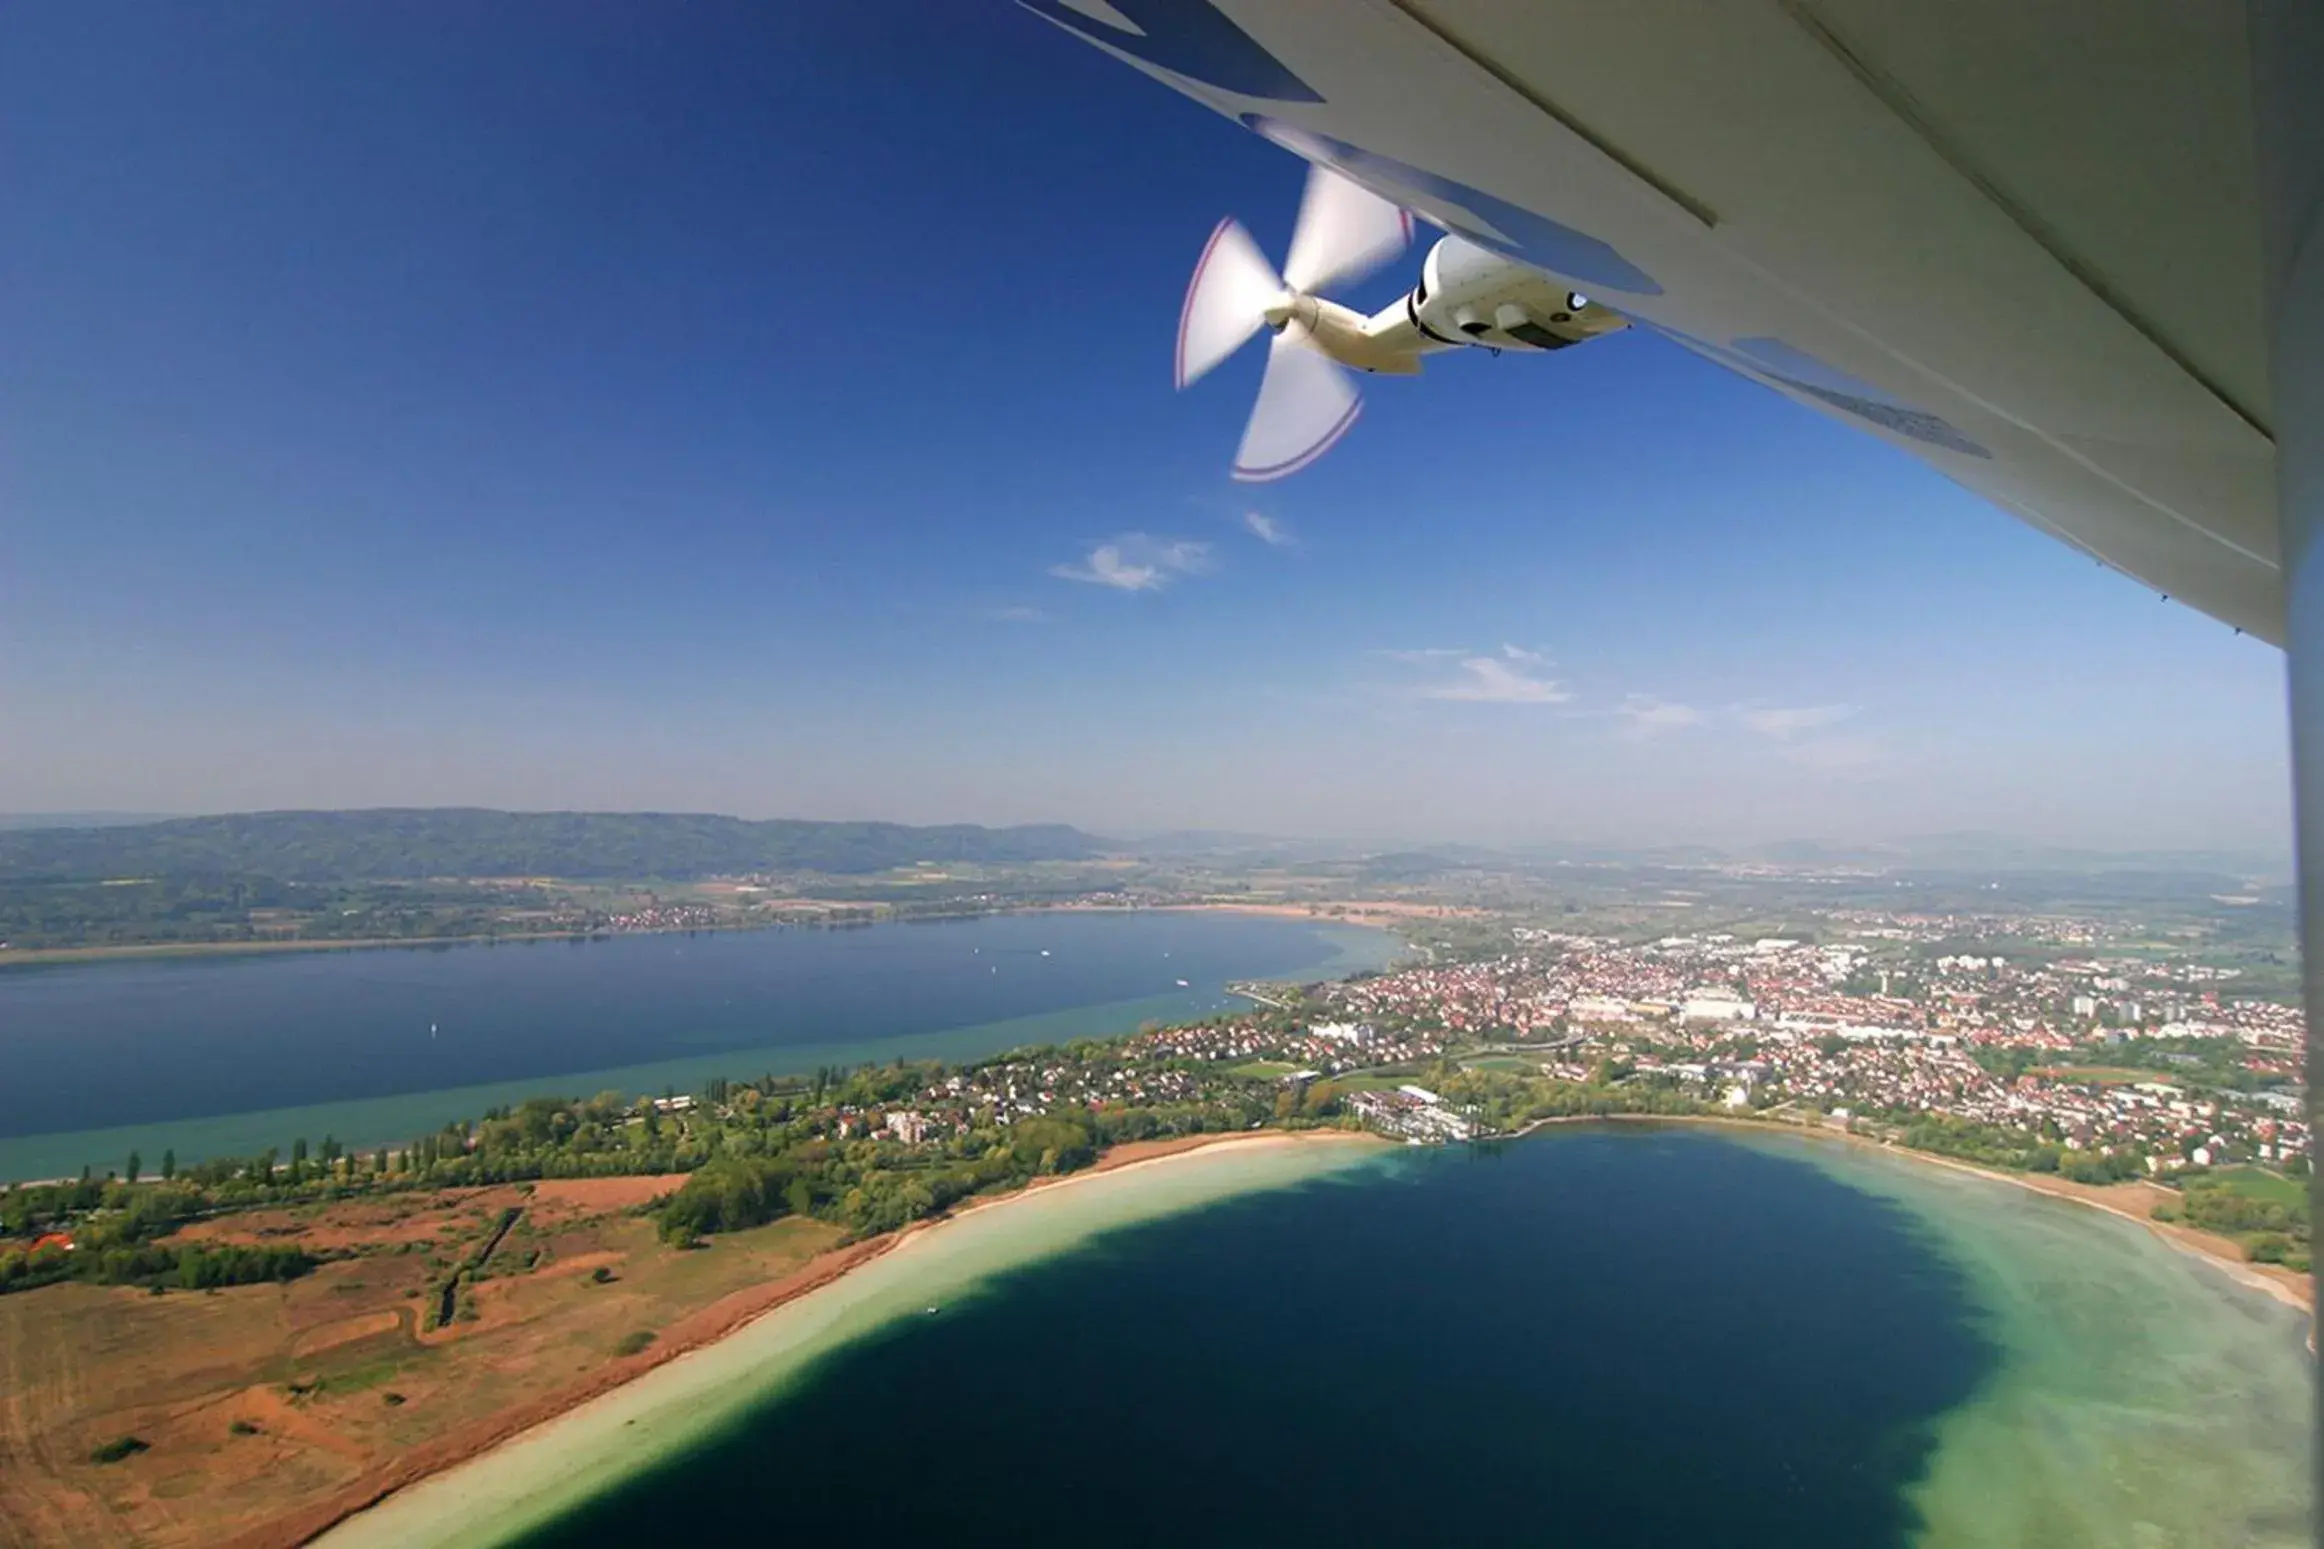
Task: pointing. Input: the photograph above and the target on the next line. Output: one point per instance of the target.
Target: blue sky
(763, 409)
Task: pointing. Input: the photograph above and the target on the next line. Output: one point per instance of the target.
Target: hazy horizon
(482, 414)
(1132, 838)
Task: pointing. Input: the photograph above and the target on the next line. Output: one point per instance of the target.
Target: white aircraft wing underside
(2021, 242)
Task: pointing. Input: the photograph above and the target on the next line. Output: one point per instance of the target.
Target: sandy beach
(1330, 911)
(750, 1353)
(746, 1348)
(475, 1488)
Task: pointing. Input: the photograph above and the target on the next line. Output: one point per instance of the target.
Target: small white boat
(1182, 984)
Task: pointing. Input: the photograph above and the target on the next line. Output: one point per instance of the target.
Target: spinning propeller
(1306, 402)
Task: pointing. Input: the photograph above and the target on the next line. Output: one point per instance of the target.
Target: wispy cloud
(1426, 653)
(1781, 722)
(1518, 653)
(1647, 715)
(1268, 530)
(1018, 615)
(1500, 680)
(1837, 754)
(1135, 562)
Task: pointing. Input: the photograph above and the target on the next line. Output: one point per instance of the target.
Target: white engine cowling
(1469, 295)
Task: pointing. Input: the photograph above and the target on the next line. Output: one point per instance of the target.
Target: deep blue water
(1589, 1337)
(149, 1052)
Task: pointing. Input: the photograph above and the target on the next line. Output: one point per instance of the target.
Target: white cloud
(1518, 653)
(1018, 615)
(1494, 680)
(1426, 653)
(1135, 562)
(1780, 722)
(1646, 715)
(1267, 530)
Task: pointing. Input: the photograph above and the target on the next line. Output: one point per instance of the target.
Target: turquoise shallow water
(1621, 1335)
(232, 1055)
(2144, 1397)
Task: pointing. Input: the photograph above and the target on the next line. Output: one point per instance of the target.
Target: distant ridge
(407, 843)
(1977, 850)
(80, 819)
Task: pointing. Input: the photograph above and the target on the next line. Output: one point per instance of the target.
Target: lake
(228, 1055)
(1601, 1335)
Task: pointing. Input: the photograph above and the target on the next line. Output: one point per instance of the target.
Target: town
(2070, 1052)
(2120, 1065)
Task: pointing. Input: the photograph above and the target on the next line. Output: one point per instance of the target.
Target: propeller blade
(1345, 231)
(1306, 403)
(1233, 285)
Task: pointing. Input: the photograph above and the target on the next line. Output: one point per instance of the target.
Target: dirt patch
(441, 1216)
(580, 1197)
(343, 1331)
(334, 1388)
(581, 1264)
(688, 1332)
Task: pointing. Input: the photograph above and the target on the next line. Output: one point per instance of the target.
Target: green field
(1503, 1062)
(1262, 1070)
(2260, 1184)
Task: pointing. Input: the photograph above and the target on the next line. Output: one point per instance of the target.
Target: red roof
(62, 1240)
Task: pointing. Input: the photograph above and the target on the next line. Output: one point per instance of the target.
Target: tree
(169, 1165)
(136, 1165)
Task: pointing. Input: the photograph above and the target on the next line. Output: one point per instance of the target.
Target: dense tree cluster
(875, 1186)
(2272, 1231)
(2015, 1150)
(114, 1235)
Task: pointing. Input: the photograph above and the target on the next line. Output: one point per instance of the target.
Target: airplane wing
(2022, 242)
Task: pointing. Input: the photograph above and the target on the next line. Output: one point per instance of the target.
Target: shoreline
(390, 1119)
(1369, 916)
(140, 951)
(705, 1328)
(572, 1432)
(1374, 914)
(2222, 1253)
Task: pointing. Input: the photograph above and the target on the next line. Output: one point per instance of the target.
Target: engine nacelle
(1469, 295)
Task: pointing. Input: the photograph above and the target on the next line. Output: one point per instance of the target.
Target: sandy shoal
(699, 1378)
(1324, 911)
(2133, 1201)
